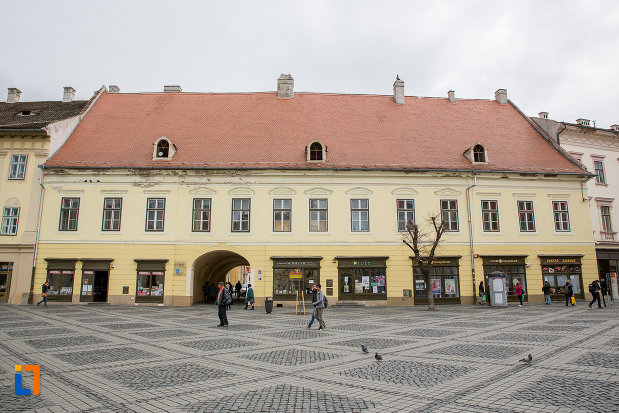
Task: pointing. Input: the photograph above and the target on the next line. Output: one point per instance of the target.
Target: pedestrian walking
(205, 291)
(519, 292)
(604, 290)
(594, 289)
(237, 288)
(223, 300)
(249, 297)
(230, 291)
(546, 290)
(212, 293)
(319, 306)
(569, 293)
(314, 296)
(44, 289)
(482, 293)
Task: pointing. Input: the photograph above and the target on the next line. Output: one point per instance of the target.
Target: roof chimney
(451, 95)
(171, 89)
(501, 96)
(69, 94)
(543, 115)
(285, 86)
(14, 95)
(583, 122)
(398, 90)
(615, 128)
(114, 89)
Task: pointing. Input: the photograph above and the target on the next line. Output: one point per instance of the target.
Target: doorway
(6, 268)
(99, 287)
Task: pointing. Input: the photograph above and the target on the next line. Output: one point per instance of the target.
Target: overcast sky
(558, 56)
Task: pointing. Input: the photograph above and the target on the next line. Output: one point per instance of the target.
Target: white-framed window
(17, 168)
(359, 215)
(561, 216)
(201, 215)
(240, 214)
(155, 214)
(598, 167)
(282, 215)
(406, 212)
(318, 215)
(10, 218)
(449, 214)
(69, 212)
(490, 215)
(112, 208)
(526, 216)
(607, 225)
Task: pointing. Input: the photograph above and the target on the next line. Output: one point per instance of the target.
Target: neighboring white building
(598, 150)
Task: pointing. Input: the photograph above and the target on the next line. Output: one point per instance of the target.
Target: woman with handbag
(44, 289)
(519, 292)
(249, 297)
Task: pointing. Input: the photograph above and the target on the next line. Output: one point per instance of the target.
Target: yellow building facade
(156, 194)
(185, 260)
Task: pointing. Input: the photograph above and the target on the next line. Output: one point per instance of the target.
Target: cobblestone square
(172, 359)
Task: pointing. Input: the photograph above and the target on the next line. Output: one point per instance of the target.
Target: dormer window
(26, 113)
(316, 152)
(479, 154)
(163, 149)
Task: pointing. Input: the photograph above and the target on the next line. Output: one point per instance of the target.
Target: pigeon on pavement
(364, 348)
(378, 357)
(527, 359)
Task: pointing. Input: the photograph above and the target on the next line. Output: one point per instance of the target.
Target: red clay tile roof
(258, 130)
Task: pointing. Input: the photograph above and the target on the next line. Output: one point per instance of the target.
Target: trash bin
(497, 289)
(268, 304)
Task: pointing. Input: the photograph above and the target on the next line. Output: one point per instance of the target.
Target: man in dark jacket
(212, 293)
(44, 289)
(237, 288)
(205, 291)
(604, 290)
(594, 289)
(314, 294)
(223, 301)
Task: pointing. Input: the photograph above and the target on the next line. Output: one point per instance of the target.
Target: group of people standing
(594, 288)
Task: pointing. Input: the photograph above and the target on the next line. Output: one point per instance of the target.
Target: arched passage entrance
(212, 267)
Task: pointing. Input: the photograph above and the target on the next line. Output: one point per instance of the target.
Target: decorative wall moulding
(318, 191)
(280, 191)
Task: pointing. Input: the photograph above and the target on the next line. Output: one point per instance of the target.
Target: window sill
(281, 233)
(601, 184)
(563, 233)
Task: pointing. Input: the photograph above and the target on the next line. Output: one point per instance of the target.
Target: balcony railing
(607, 236)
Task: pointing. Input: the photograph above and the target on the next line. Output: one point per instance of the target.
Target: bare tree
(424, 243)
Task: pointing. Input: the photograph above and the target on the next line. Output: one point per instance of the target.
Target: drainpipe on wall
(36, 243)
(468, 209)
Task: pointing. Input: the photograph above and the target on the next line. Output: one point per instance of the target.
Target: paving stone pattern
(146, 378)
(175, 359)
(570, 392)
(410, 373)
(283, 398)
(291, 356)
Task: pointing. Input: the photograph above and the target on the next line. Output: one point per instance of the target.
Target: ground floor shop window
(363, 278)
(444, 281)
(150, 281)
(294, 277)
(514, 270)
(557, 270)
(6, 269)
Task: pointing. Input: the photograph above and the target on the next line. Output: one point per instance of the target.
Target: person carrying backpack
(594, 289)
(319, 306)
